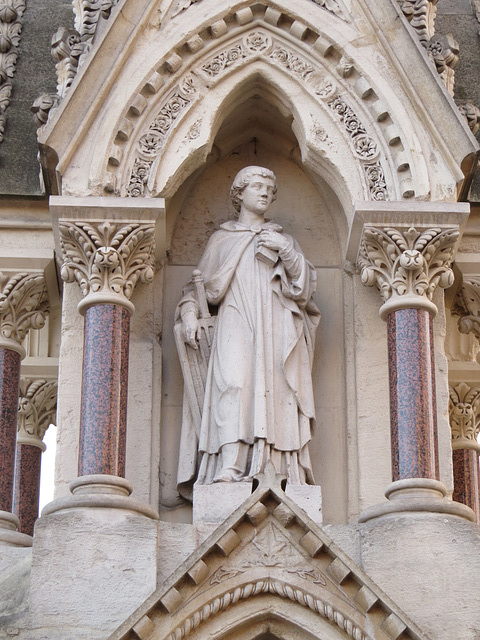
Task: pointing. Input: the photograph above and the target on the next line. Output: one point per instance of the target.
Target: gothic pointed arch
(169, 90)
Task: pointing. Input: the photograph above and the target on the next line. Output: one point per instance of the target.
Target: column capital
(464, 412)
(467, 305)
(407, 254)
(107, 260)
(37, 407)
(108, 245)
(23, 306)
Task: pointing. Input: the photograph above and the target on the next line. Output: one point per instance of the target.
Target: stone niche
(256, 133)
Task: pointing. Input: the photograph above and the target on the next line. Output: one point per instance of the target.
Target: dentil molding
(107, 259)
(37, 407)
(23, 306)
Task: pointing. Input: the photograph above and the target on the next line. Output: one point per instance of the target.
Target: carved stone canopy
(269, 555)
(407, 255)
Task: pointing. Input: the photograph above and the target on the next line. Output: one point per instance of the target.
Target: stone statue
(247, 370)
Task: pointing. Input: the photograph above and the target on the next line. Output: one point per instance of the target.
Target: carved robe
(259, 384)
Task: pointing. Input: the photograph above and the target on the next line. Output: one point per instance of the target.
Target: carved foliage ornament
(467, 306)
(11, 13)
(108, 258)
(421, 15)
(407, 265)
(23, 305)
(464, 412)
(330, 5)
(37, 407)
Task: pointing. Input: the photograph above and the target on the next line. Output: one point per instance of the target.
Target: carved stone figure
(247, 370)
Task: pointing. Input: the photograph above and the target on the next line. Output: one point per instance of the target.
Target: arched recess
(257, 130)
(347, 131)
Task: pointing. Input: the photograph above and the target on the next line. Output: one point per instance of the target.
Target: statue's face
(258, 195)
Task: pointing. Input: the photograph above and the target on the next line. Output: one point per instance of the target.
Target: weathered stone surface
(35, 74)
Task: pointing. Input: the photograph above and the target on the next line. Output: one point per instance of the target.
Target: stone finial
(407, 266)
(37, 406)
(467, 306)
(464, 412)
(107, 260)
(23, 305)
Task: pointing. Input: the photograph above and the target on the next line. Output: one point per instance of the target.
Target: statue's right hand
(191, 326)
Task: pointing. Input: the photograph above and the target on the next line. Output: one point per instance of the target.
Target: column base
(101, 491)
(414, 495)
(9, 536)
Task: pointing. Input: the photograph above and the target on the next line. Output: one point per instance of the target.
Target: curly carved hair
(242, 179)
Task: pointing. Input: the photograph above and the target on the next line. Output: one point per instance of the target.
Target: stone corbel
(37, 407)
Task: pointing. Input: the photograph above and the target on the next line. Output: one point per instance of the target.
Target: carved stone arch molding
(345, 128)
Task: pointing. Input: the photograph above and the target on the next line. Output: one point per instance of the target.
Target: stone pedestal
(92, 567)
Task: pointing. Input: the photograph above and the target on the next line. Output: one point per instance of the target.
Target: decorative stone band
(107, 260)
(36, 410)
(23, 305)
(407, 266)
(464, 412)
(467, 306)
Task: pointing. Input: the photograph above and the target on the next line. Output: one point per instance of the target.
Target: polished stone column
(407, 260)
(23, 304)
(107, 259)
(103, 418)
(464, 411)
(36, 411)
(413, 412)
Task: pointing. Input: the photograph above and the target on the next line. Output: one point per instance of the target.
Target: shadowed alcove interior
(258, 131)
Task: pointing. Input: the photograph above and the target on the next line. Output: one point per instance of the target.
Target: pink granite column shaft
(104, 391)
(9, 386)
(412, 395)
(466, 479)
(27, 486)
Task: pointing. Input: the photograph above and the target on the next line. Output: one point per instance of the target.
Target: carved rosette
(464, 412)
(467, 306)
(107, 260)
(407, 266)
(23, 306)
(37, 406)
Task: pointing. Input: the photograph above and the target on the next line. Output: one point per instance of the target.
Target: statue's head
(243, 178)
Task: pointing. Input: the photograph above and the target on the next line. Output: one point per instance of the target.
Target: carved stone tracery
(23, 305)
(11, 14)
(36, 410)
(407, 266)
(107, 259)
(464, 412)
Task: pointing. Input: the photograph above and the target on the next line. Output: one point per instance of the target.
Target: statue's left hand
(272, 240)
